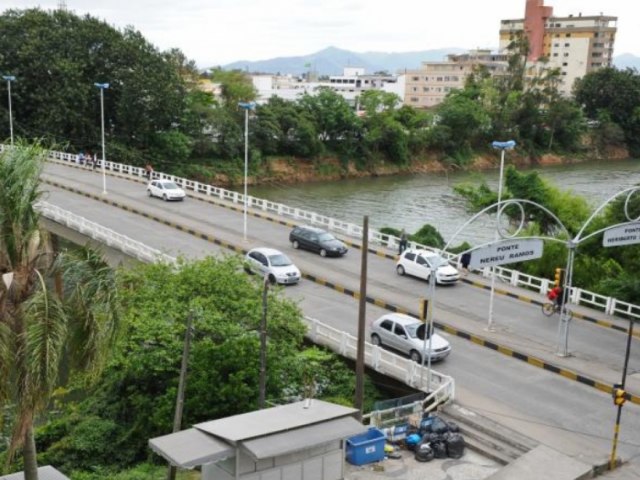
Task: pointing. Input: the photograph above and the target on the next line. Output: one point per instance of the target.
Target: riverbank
(287, 171)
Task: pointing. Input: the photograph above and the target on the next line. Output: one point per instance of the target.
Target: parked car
(418, 264)
(317, 240)
(406, 335)
(273, 263)
(166, 190)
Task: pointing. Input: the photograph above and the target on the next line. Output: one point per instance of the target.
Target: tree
(42, 329)
(615, 93)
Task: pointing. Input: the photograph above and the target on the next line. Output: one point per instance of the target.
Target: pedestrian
(402, 245)
(95, 161)
(149, 171)
(81, 158)
(464, 261)
(89, 158)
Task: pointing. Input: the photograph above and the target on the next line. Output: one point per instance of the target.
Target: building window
(415, 89)
(556, 45)
(568, 35)
(567, 44)
(566, 54)
(415, 79)
(439, 79)
(414, 99)
(558, 25)
(425, 89)
(555, 54)
(447, 79)
(564, 73)
(596, 54)
(598, 45)
(564, 64)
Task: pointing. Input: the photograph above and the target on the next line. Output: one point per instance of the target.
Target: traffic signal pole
(619, 397)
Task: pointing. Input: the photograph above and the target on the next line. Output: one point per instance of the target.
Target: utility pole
(362, 308)
(177, 419)
(263, 346)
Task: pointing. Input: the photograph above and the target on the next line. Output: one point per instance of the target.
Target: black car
(317, 240)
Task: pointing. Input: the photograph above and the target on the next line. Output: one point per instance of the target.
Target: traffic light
(557, 278)
(619, 396)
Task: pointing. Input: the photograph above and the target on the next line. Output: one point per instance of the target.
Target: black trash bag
(439, 426)
(425, 425)
(424, 453)
(453, 427)
(432, 437)
(439, 449)
(455, 445)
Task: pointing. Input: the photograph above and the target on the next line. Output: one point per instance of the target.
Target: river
(410, 201)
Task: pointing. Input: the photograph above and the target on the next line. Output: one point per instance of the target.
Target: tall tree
(40, 327)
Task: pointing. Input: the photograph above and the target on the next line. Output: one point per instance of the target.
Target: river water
(410, 201)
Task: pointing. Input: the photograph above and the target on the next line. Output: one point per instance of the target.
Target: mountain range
(332, 60)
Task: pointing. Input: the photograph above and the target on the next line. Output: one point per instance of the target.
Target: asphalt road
(571, 417)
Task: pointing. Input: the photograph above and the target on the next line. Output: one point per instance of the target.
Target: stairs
(486, 436)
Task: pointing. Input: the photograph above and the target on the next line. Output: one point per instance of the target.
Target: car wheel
(296, 244)
(149, 193)
(323, 252)
(164, 197)
(400, 270)
(415, 356)
(375, 339)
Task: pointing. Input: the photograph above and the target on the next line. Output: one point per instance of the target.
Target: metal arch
(629, 191)
(500, 207)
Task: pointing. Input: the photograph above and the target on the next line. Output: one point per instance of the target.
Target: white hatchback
(274, 264)
(165, 189)
(406, 335)
(418, 263)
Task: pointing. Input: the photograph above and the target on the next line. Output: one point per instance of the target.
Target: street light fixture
(9, 79)
(502, 146)
(102, 87)
(246, 106)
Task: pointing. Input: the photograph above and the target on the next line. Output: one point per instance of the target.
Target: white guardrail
(405, 370)
(577, 296)
(442, 388)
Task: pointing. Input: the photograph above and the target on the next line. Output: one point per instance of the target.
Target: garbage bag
(439, 426)
(453, 427)
(424, 453)
(439, 449)
(455, 445)
(412, 440)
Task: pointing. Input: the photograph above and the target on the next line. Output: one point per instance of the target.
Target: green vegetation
(58, 316)
(159, 108)
(609, 271)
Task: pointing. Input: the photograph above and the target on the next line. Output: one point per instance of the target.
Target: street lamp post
(9, 79)
(502, 146)
(102, 87)
(246, 106)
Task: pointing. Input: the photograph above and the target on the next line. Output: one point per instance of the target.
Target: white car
(406, 335)
(165, 189)
(418, 264)
(273, 263)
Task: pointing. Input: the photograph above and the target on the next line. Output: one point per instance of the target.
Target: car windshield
(170, 185)
(279, 260)
(437, 259)
(326, 237)
(416, 330)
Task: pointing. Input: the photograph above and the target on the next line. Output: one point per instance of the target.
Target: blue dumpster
(366, 448)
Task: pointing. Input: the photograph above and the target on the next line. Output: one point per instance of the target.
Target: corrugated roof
(273, 420)
(302, 438)
(44, 473)
(190, 448)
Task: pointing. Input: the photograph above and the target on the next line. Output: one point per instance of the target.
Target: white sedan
(272, 263)
(165, 189)
(418, 263)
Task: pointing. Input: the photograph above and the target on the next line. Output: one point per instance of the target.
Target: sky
(217, 32)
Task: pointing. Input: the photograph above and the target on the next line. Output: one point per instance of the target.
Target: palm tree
(54, 310)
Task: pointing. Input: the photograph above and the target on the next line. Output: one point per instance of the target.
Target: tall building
(576, 45)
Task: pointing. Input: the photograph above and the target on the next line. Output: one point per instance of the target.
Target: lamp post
(246, 106)
(502, 146)
(102, 87)
(9, 79)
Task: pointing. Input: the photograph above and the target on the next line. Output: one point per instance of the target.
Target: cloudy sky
(216, 32)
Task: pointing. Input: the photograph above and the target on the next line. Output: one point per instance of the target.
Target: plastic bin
(366, 448)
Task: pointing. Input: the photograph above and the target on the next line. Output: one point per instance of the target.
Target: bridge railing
(102, 234)
(403, 369)
(609, 305)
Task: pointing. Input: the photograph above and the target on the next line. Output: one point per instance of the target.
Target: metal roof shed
(302, 440)
(44, 473)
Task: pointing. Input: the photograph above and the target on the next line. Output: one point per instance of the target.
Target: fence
(577, 296)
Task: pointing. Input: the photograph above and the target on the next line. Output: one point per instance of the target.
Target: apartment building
(428, 86)
(576, 45)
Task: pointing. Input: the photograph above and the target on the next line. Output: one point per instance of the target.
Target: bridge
(562, 395)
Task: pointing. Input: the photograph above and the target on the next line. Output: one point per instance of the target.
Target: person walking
(402, 245)
(148, 170)
(464, 261)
